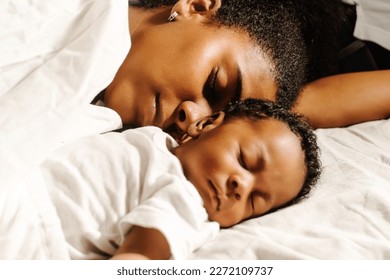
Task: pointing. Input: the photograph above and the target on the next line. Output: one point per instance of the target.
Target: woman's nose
(189, 112)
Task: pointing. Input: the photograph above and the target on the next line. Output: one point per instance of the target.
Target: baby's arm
(143, 244)
(346, 99)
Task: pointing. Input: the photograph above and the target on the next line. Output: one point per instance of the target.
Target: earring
(173, 16)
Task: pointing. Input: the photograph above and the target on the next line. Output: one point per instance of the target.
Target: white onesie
(104, 184)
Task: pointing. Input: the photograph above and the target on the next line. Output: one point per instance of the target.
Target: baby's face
(243, 169)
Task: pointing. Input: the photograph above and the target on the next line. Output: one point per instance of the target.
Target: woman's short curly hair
(257, 109)
(274, 27)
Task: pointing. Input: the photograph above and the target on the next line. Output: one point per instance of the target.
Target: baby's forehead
(258, 124)
(271, 131)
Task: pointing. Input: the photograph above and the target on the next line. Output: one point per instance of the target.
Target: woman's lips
(148, 115)
(157, 113)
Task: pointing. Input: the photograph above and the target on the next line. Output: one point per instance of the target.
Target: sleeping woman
(189, 58)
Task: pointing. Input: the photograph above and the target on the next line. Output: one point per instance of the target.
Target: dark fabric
(356, 55)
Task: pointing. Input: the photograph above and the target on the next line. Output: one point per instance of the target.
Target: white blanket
(55, 56)
(44, 102)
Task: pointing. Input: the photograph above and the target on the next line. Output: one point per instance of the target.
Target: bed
(55, 56)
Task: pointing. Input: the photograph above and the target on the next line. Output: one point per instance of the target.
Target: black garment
(328, 27)
(356, 55)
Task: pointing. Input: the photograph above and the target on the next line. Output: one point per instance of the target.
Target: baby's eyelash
(241, 160)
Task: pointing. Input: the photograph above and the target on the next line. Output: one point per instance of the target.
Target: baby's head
(253, 158)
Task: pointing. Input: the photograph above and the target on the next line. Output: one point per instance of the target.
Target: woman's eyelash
(210, 93)
(214, 79)
(157, 102)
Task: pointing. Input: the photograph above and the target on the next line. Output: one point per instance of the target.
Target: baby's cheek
(226, 218)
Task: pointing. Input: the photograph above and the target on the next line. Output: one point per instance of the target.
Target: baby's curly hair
(258, 109)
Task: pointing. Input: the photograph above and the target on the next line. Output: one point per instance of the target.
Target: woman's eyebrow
(238, 90)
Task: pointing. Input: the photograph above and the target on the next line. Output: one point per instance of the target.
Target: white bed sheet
(55, 56)
(44, 102)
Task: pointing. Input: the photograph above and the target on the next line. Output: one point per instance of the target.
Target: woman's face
(177, 72)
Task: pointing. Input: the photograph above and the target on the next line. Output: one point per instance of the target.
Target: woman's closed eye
(220, 90)
(209, 90)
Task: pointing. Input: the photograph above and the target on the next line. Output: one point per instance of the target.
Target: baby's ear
(205, 124)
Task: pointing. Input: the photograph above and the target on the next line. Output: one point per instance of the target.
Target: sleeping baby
(138, 194)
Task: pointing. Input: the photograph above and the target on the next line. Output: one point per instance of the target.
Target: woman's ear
(196, 8)
(205, 124)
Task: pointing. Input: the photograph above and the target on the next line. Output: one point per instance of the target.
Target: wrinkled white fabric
(104, 184)
(55, 56)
